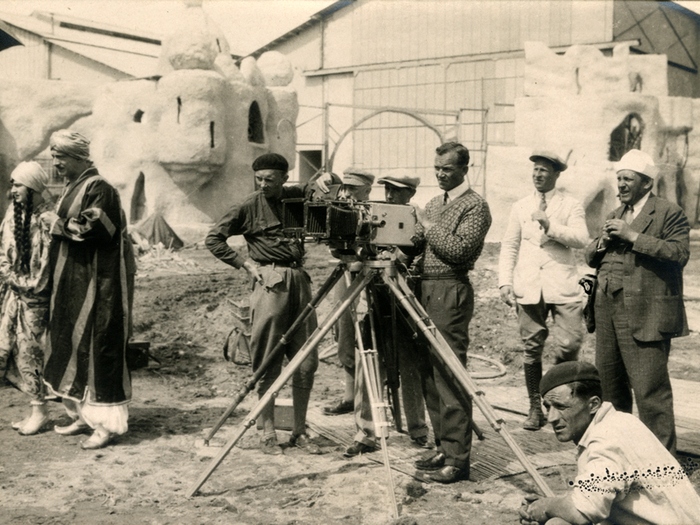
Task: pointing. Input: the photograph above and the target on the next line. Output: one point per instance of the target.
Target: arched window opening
(255, 125)
(626, 136)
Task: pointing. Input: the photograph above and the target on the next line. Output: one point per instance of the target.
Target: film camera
(349, 223)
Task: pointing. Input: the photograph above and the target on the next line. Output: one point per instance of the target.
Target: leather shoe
(357, 449)
(449, 474)
(270, 446)
(421, 441)
(75, 428)
(303, 441)
(435, 462)
(341, 407)
(32, 426)
(97, 440)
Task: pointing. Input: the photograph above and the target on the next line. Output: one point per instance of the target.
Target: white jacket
(538, 264)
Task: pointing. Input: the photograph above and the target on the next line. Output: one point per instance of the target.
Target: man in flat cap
(639, 256)
(399, 188)
(538, 275)
(92, 260)
(452, 232)
(625, 476)
(356, 186)
(281, 289)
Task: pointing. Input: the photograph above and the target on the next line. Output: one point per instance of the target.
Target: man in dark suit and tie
(640, 256)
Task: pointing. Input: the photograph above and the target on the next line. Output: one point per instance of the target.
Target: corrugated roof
(133, 64)
(119, 49)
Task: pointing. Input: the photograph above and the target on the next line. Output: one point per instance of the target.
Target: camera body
(367, 224)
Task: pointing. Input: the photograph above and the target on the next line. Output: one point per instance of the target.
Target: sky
(247, 24)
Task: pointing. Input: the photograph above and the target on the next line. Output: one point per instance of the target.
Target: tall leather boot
(533, 374)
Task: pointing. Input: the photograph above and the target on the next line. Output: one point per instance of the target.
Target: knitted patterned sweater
(454, 242)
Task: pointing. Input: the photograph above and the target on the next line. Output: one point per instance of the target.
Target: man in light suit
(640, 256)
(537, 273)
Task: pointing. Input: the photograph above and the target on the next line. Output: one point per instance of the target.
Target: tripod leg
(250, 384)
(452, 363)
(372, 378)
(287, 372)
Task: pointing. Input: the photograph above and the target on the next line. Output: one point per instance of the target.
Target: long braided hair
(23, 238)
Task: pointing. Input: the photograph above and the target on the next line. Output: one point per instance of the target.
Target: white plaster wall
(163, 128)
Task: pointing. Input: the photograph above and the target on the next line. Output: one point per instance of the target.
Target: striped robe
(88, 326)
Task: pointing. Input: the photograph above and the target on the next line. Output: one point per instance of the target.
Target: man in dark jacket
(640, 256)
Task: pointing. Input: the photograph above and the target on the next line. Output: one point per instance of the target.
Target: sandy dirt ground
(183, 309)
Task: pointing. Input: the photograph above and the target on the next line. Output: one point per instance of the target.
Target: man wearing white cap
(640, 255)
(537, 272)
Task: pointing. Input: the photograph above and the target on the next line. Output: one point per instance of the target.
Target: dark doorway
(310, 163)
(138, 199)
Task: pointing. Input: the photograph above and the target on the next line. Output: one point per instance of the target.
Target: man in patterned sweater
(452, 232)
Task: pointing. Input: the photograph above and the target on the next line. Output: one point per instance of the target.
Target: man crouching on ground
(625, 475)
(281, 290)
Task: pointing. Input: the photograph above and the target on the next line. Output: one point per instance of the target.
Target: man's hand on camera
(423, 219)
(323, 181)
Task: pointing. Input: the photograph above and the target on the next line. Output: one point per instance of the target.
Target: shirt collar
(458, 190)
(547, 195)
(640, 204)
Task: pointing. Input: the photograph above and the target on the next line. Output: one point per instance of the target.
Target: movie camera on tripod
(350, 225)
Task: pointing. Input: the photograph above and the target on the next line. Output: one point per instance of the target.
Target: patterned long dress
(25, 306)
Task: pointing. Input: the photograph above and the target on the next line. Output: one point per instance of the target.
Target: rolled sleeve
(230, 224)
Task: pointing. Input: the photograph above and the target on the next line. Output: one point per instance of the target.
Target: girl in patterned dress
(24, 274)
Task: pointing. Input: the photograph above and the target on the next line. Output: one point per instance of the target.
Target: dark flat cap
(400, 179)
(271, 161)
(568, 372)
(556, 160)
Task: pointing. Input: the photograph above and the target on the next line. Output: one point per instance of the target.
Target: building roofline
(312, 21)
(691, 14)
(91, 26)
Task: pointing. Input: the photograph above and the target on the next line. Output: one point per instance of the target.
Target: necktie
(543, 202)
(446, 198)
(629, 214)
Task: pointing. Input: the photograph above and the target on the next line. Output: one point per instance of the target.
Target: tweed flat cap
(639, 162)
(400, 179)
(357, 177)
(271, 161)
(568, 372)
(559, 163)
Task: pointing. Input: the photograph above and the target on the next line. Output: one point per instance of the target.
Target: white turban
(31, 175)
(70, 143)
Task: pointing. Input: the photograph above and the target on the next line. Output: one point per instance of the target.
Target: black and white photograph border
(179, 97)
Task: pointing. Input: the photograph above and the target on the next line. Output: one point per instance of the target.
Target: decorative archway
(426, 123)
